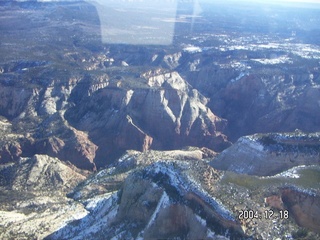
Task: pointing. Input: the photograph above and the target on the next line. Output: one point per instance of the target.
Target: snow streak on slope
(184, 184)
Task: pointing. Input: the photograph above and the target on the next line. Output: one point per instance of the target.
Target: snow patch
(10, 217)
(210, 234)
(186, 184)
(307, 51)
(291, 173)
(238, 47)
(241, 75)
(103, 209)
(273, 61)
(252, 143)
(192, 49)
(164, 201)
(201, 220)
(92, 203)
(154, 57)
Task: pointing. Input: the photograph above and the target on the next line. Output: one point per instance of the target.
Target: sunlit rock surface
(269, 154)
(104, 140)
(33, 200)
(182, 198)
(157, 110)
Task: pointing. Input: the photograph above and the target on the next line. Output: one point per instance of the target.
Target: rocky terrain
(213, 136)
(268, 154)
(162, 194)
(33, 197)
(156, 110)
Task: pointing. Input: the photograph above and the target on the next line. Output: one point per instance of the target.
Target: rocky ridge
(158, 110)
(269, 154)
(69, 102)
(145, 196)
(33, 196)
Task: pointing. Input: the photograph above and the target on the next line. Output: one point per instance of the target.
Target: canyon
(177, 141)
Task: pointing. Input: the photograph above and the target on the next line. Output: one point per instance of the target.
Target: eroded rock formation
(304, 207)
(269, 154)
(156, 111)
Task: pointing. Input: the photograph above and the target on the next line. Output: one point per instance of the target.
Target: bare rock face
(142, 196)
(154, 202)
(10, 152)
(39, 173)
(181, 113)
(274, 201)
(33, 201)
(13, 100)
(77, 149)
(177, 220)
(72, 145)
(269, 154)
(66, 97)
(132, 160)
(167, 194)
(164, 113)
(304, 115)
(91, 120)
(255, 98)
(32, 122)
(304, 206)
(13, 145)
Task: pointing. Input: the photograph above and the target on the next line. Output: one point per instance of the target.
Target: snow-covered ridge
(259, 44)
(251, 142)
(274, 61)
(241, 75)
(296, 137)
(163, 202)
(185, 184)
(102, 209)
(192, 49)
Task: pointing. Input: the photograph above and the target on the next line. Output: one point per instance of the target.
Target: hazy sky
(301, 1)
(209, 1)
